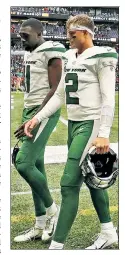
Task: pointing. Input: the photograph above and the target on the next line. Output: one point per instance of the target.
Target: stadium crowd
(102, 14)
(17, 72)
(56, 29)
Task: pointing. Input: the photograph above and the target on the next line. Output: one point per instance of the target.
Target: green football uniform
(88, 88)
(30, 159)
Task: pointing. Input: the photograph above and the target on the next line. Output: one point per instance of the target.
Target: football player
(43, 68)
(88, 84)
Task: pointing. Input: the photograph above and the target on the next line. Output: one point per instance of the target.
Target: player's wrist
(104, 132)
(38, 118)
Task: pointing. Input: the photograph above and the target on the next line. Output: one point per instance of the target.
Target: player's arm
(106, 77)
(54, 76)
(49, 109)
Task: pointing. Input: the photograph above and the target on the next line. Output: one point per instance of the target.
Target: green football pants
(80, 136)
(30, 160)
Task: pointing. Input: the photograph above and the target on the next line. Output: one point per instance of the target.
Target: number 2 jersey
(89, 80)
(88, 86)
(36, 71)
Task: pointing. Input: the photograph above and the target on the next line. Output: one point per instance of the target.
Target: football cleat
(29, 235)
(50, 227)
(104, 239)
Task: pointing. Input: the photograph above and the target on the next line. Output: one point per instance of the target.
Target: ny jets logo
(109, 49)
(110, 64)
(104, 64)
(98, 164)
(55, 44)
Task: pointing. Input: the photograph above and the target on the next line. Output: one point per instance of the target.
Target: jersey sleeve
(56, 50)
(106, 76)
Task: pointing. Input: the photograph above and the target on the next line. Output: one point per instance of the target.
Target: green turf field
(86, 224)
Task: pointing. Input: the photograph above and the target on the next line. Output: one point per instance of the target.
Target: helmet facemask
(100, 170)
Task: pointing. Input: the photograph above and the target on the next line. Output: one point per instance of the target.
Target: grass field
(86, 224)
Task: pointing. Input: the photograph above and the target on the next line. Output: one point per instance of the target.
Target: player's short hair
(34, 23)
(80, 20)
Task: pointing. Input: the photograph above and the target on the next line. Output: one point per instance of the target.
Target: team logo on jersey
(30, 62)
(110, 63)
(104, 64)
(109, 49)
(78, 70)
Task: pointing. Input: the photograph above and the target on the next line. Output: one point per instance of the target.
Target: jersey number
(27, 77)
(71, 88)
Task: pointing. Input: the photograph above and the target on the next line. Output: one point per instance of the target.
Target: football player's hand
(101, 144)
(29, 126)
(20, 131)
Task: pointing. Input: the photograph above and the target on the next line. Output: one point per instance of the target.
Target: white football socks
(40, 221)
(51, 210)
(56, 246)
(107, 226)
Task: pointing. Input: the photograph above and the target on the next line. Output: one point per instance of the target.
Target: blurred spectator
(57, 29)
(103, 14)
(17, 65)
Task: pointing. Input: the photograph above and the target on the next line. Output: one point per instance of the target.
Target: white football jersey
(88, 86)
(82, 85)
(36, 71)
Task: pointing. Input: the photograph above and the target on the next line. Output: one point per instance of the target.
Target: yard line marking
(51, 190)
(12, 102)
(54, 154)
(58, 154)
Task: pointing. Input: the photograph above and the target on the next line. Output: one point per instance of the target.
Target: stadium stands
(106, 30)
(96, 13)
(57, 29)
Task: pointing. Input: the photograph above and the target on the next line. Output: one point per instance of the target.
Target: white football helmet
(100, 170)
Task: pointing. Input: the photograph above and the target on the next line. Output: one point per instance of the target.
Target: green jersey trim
(64, 58)
(53, 49)
(105, 55)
